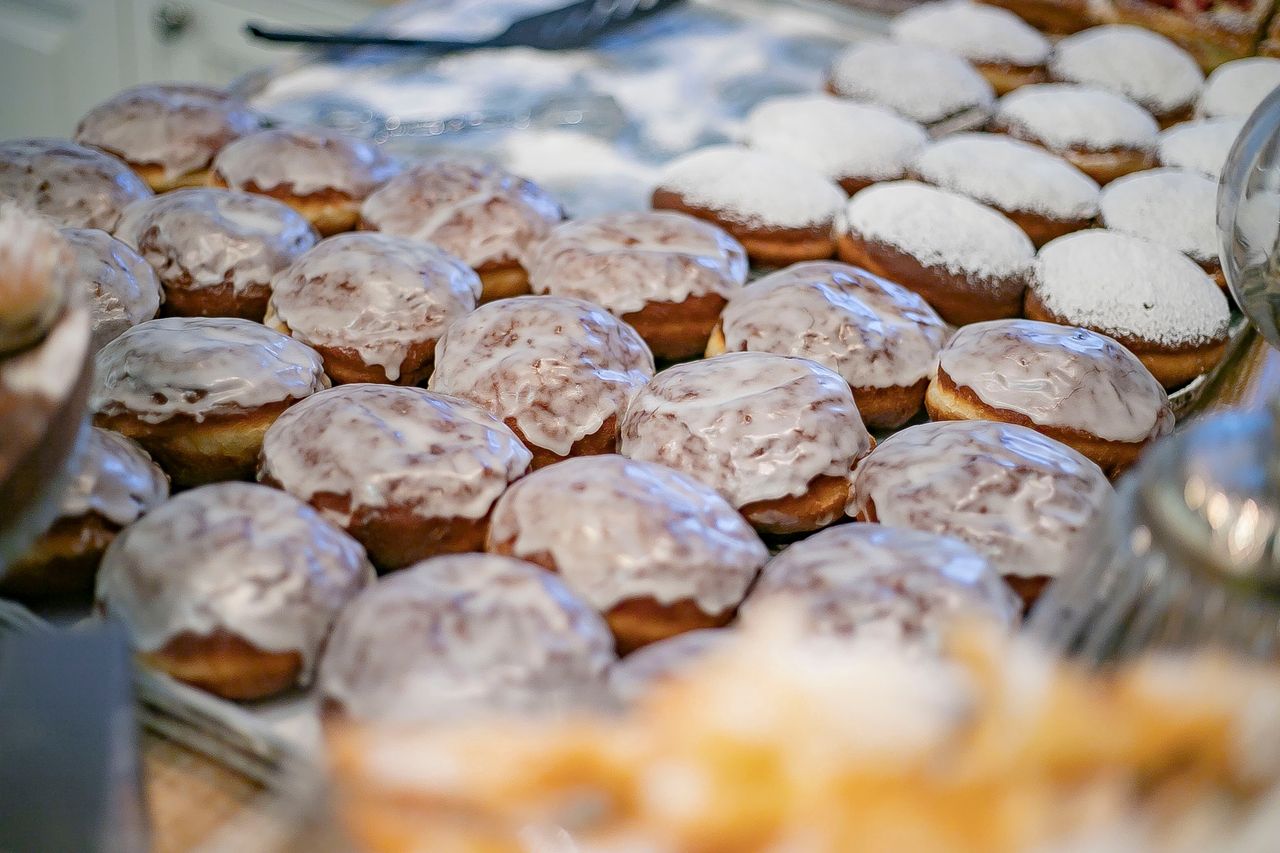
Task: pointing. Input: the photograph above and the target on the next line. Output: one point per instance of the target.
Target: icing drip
(922, 83)
(1141, 65)
(1064, 116)
(123, 288)
(115, 478)
(304, 161)
(73, 185)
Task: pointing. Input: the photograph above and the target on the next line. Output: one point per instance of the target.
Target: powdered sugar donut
(1005, 49)
(1171, 206)
(634, 676)
(1235, 89)
(123, 288)
(75, 186)
(1049, 16)
(922, 83)
(1201, 145)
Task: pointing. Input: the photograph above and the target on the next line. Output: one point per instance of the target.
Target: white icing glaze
(1130, 288)
(235, 557)
(979, 33)
(634, 676)
(1066, 116)
(198, 366)
(752, 425)
(114, 478)
(1201, 145)
(457, 635)
(382, 446)
(920, 82)
(1024, 501)
(36, 276)
(558, 367)
(1142, 65)
(874, 333)
(375, 294)
(1236, 88)
(1059, 376)
(619, 530)
(73, 185)
(304, 161)
(1171, 206)
(624, 261)
(123, 288)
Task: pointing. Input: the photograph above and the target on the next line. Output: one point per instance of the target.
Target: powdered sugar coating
(75, 186)
(754, 426)
(303, 161)
(1024, 501)
(976, 32)
(1067, 116)
(1142, 65)
(1130, 288)
(232, 557)
(922, 83)
(434, 456)
(639, 672)
(123, 288)
(1235, 89)
(114, 478)
(1200, 145)
(624, 261)
(874, 333)
(558, 367)
(1171, 206)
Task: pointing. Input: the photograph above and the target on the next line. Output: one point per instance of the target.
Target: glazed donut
(460, 635)
(882, 338)
(655, 551)
(558, 371)
(1235, 89)
(1152, 299)
(968, 261)
(920, 82)
(1002, 47)
(409, 474)
(215, 251)
(1073, 385)
(232, 588)
(636, 675)
(666, 275)
(853, 144)
(168, 133)
(75, 186)
(1171, 206)
(1024, 501)
(1200, 146)
(777, 436)
(199, 393)
(372, 305)
(781, 211)
(1103, 134)
(115, 483)
(36, 285)
(1042, 193)
(487, 217)
(323, 175)
(123, 288)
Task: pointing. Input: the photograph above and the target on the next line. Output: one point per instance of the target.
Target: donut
(1073, 385)
(1002, 47)
(1026, 502)
(36, 285)
(123, 288)
(655, 551)
(198, 393)
(636, 675)
(1235, 89)
(882, 338)
(923, 83)
(215, 251)
(1175, 207)
(408, 473)
(1141, 65)
(75, 186)
(667, 275)
(557, 371)
(372, 305)
(114, 484)
(853, 144)
(232, 588)
(462, 635)
(1103, 134)
(779, 210)
(777, 436)
(1153, 299)
(168, 133)
(322, 174)
(967, 260)
(1049, 16)
(1200, 146)
(486, 216)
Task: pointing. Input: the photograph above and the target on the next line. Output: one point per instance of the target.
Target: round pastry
(455, 636)
(487, 217)
(1144, 66)
(1201, 145)
(1171, 206)
(777, 436)
(633, 677)
(323, 175)
(36, 284)
(781, 211)
(882, 338)
(1152, 299)
(968, 261)
(1076, 386)
(198, 393)
(1235, 89)
(872, 583)
(923, 83)
(215, 251)
(1042, 193)
(558, 371)
(1027, 503)
(167, 132)
(373, 306)
(1002, 47)
(73, 185)
(123, 288)
(666, 275)
(655, 551)
(853, 144)
(232, 588)
(408, 473)
(1103, 134)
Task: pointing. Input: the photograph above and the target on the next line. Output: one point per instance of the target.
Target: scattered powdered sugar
(1066, 115)
(1200, 145)
(1132, 61)
(922, 83)
(976, 32)
(1235, 89)
(1171, 206)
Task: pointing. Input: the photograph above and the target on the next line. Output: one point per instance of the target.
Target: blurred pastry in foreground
(923, 83)
(36, 277)
(123, 288)
(1005, 49)
(636, 675)
(1176, 207)
(75, 186)
(1235, 89)
(1200, 146)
